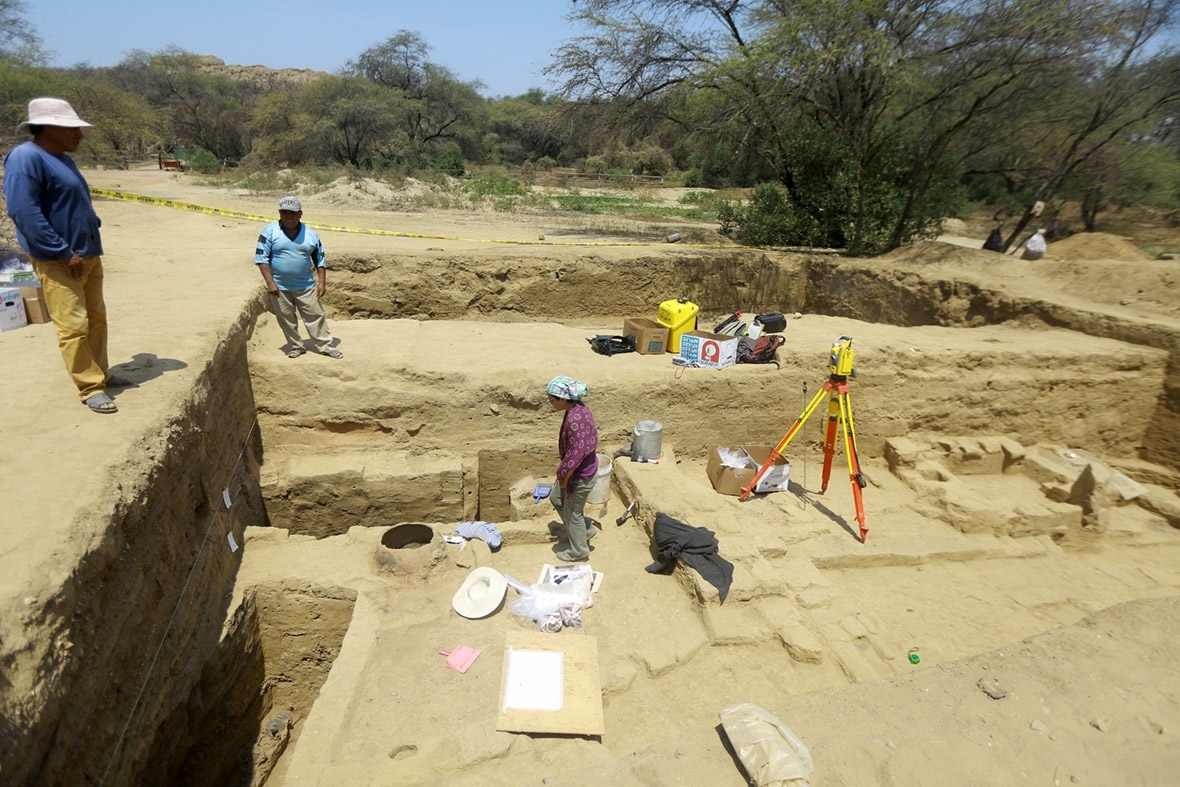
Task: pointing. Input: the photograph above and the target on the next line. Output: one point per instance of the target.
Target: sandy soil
(1040, 665)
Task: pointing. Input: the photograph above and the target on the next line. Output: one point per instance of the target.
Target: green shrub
(595, 165)
(495, 186)
(451, 162)
(768, 220)
(204, 162)
(693, 179)
(545, 164)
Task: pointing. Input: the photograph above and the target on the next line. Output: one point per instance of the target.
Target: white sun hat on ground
(47, 111)
(481, 593)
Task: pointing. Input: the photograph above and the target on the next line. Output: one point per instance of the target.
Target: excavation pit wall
(438, 409)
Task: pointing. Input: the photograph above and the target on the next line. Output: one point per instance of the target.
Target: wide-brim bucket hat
(46, 111)
(481, 593)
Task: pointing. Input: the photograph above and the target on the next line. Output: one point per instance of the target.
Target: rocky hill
(259, 75)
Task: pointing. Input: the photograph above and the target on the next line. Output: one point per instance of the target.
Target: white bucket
(600, 494)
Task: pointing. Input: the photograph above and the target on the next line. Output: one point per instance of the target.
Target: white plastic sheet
(772, 755)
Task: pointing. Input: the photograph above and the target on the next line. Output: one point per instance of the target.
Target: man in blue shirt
(291, 259)
(49, 202)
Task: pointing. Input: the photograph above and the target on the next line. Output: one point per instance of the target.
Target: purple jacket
(577, 443)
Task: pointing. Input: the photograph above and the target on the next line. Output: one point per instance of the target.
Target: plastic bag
(552, 606)
(772, 755)
(733, 457)
(1035, 247)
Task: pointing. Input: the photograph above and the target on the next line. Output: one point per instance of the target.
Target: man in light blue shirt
(291, 259)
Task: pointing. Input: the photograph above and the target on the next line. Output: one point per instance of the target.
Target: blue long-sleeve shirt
(49, 202)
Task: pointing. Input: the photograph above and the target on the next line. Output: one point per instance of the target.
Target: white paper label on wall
(233, 545)
(225, 497)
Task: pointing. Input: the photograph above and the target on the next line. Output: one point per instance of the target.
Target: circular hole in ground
(409, 535)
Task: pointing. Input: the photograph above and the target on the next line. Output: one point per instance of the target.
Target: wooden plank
(581, 707)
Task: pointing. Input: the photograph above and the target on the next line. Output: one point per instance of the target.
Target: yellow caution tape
(237, 214)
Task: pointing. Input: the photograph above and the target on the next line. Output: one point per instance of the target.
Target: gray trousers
(290, 305)
(571, 507)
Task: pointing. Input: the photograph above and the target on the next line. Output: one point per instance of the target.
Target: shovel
(626, 513)
(461, 658)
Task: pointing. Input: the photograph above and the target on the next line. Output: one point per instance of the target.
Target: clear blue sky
(502, 43)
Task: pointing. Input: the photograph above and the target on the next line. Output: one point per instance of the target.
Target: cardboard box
(731, 480)
(35, 309)
(651, 338)
(712, 350)
(777, 476)
(12, 310)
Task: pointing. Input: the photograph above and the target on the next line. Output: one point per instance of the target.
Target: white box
(712, 350)
(12, 310)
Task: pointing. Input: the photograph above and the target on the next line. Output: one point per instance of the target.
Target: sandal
(101, 403)
(333, 353)
(295, 353)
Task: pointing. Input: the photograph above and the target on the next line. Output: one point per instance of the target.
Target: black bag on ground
(760, 350)
(772, 322)
(605, 344)
(995, 241)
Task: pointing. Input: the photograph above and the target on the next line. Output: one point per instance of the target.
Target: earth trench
(329, 452)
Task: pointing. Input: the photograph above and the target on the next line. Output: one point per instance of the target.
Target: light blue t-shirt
(290, 261)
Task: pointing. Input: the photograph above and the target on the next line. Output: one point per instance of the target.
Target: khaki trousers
(80, 317)
(290, 305)
(571, 507)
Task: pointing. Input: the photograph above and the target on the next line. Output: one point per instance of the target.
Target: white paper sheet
(535, 680)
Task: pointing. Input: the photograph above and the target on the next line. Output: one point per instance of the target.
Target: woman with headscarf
(576, 443)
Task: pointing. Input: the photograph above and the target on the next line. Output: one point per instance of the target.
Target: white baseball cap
(290, 203)
(53, 112)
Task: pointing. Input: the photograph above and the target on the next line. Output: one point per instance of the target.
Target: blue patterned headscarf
(567, 388)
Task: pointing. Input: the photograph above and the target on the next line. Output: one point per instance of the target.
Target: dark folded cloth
(696, 546)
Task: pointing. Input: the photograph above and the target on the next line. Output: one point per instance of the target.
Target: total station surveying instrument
(839, 414)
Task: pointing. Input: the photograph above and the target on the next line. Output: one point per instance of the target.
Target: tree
(525, 128)
(895, 95)
(1107, 102)
(19, 42)
(124, 123)
(204, 109)
(346, 120)
(435, 105)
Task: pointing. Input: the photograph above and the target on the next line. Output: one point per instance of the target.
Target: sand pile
(1097, 246)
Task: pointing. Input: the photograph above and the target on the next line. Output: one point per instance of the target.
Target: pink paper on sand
(461, 658)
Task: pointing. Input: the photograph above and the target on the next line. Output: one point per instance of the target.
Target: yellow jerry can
(678, 316)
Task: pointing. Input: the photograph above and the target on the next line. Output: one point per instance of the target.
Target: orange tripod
(839, 415)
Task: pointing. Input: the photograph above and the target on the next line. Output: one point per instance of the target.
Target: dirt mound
(1098, 246)
(933, 252)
